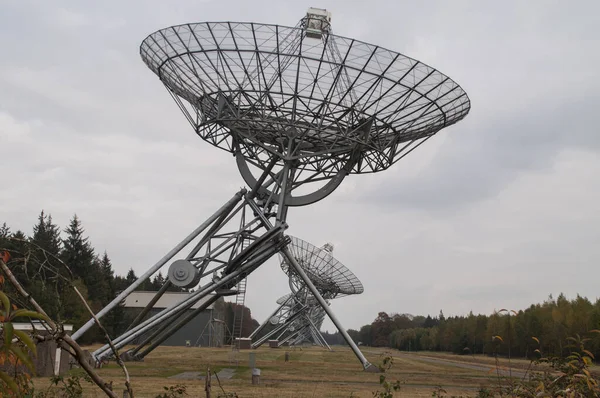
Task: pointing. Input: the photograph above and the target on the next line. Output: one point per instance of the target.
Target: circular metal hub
(182, 273)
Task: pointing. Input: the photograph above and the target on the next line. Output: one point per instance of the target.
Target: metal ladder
(238, 314)
(240, 301)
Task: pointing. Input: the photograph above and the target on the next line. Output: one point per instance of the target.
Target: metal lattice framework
(299, 315)
(331, 278)
(300, 108)
(305, 328)
(298, 318)
(271, 93)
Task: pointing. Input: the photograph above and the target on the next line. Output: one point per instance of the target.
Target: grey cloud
(477, 161)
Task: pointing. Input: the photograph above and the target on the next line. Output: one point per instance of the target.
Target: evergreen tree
(46, 234)
(108, 280)
(130, 277)
(43, 266)
(107, 271)
(158, 281)
(17, 246)
(79, 256)
(114, 322)
(4, 231)
(78, 253)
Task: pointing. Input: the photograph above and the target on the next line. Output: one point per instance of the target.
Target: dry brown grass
(311, 372)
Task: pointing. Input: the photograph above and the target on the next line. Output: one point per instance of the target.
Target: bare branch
(80, 357)
(24, 293)
(61, 337)
(44, 252)
(110, 343)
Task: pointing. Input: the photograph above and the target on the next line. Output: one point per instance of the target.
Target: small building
(203, 330)
(273, 343)
(50, 359)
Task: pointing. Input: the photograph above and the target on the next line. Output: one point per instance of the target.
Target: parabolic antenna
(298, 318)
(300, 108)
(272, 94)
(331, 278)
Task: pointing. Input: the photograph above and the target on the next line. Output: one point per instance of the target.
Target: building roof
(39, 325)
(140, 299)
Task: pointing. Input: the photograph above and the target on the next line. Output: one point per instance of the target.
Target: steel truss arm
(225, 208)
(227, 280)
(174, 328)
(366, 364)
(284, 326)
(262, 326)
(316, 334)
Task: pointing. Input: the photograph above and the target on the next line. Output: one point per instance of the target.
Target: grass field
(311, 372)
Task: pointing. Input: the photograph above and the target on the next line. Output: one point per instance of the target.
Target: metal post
(282, 208)
(366, 364)
(210, 329)
(318, 334)
(236, 198)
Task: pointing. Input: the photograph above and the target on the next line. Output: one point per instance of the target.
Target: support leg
(262, 326)
(177, 326)
(225, 208)
(226, 281)
(279, 328)
(290, 258)
(317, 333)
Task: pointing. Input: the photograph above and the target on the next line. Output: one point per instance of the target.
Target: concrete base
(372, 368)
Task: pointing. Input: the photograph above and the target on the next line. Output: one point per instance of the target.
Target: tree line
(545, 326)
(39, 264)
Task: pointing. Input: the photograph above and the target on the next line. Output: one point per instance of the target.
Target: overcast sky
(497, 211)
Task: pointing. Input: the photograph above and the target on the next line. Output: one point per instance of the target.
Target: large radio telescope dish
(331, 278)
(300, 108)
(273, 94)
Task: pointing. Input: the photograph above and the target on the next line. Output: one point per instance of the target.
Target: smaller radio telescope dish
(331, 278)
(274, 320)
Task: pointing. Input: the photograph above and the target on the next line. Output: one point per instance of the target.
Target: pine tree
(108, 278)
(114, 322)
(131, 276)
(4, 231)
(44, 264)
(16, 244)
(46, 234)
(107, 271)
(158, 281)
(79, 256)
(78, 253)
